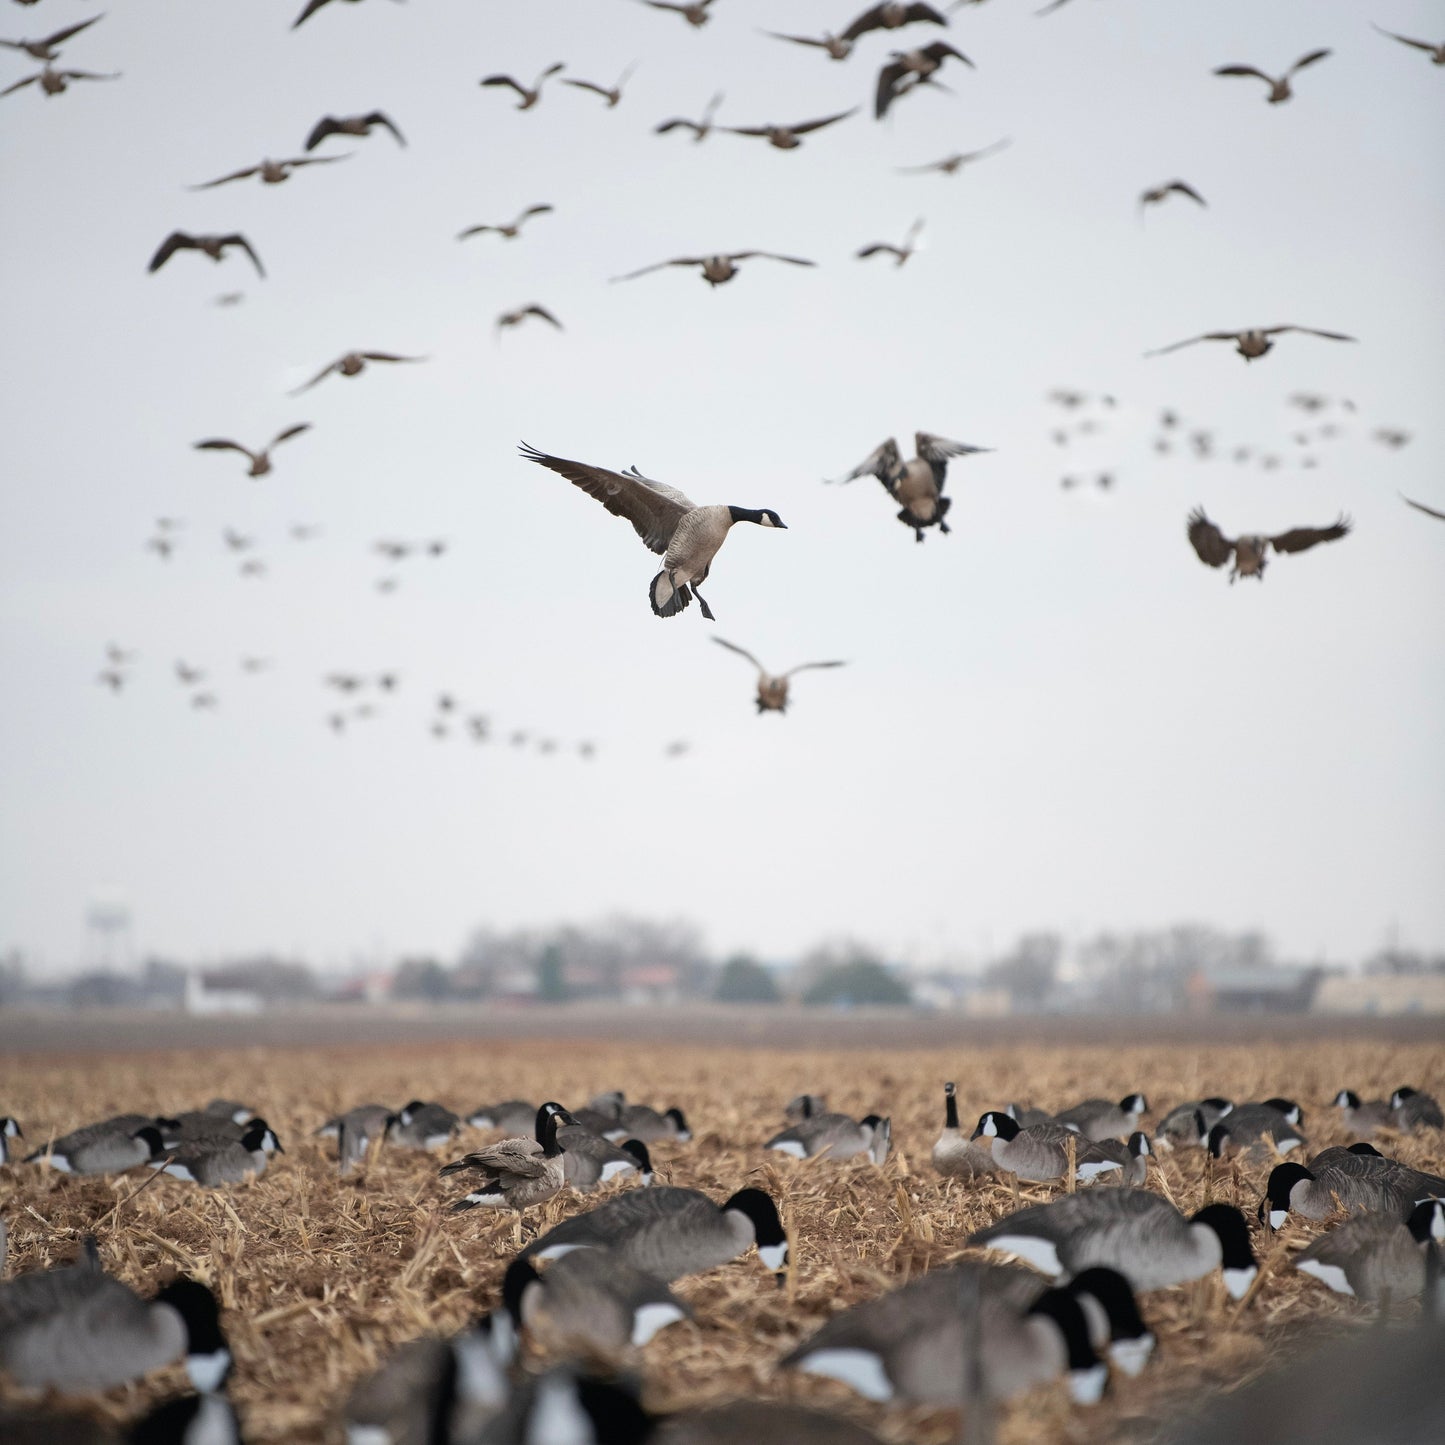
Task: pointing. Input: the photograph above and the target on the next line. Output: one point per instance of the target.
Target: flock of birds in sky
(587, 1293)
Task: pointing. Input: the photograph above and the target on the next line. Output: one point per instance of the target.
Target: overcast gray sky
(1055, 716)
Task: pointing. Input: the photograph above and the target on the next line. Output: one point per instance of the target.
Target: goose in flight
(530, 97)
(695, 12)
(54, 82)
(611, 94)
(949, 165)
(1421, 507)
(312, 6)
(1253, 342)
(261, 460)
(892, 15)
(49, 47)
(1435, 52)
(516, 318)
(212, 246)
(272, 173)
(917, 484)
(700, 129)
(1155, 194)
(508, 232)
(685, 535)
(1251, 553)
(772, 691)
(899, 253)
(911, 68)
(718, 268)
(785, 137)
(350, 125)
(837, 46)
(352, 364)
(1279, 88)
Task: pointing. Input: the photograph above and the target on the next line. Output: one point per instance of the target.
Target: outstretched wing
(936, 450)
(1301, 539)
(324, 127)
(1310, 331)
(312, 6)
(1421, 507)
(796, 39)
(320, 375)
(1244, 70)
(291, 431)
(221, 180)
(768, 256)
(742, 652)
(237, 239)
(61, 36)
(217, 444)
(1213, 548)
(601, 90)
(20, 84)
(380, 118)
(505, 80)
(1185, 189)
(1305, 60)
(883, 462)
(810, 125)
(661, 266)
(389, 356)
(1418, 45)
(804, 666)
(1207, 336)
(543, 313)
(875, 248)
(176, 241)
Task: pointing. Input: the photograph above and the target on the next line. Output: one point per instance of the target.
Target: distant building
(1382, 993)
(1252, 990)
(206, 996)
(651, 983)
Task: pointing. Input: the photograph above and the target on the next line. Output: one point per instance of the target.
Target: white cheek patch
(1092, 1171)
(1327, 1274)
(208, 1371)
(775, 1256)
(1238, 1281)
(791, 1147)
(178, 1171)
(860, 1370)
(1086, 1387)
(557, 1416)
(1041, 1253)
(1277, 1218)
(60, 1162)
(368, 1435)
(1132, 1355)
(1283, 1146)
(613, 1167)
(651, 1318)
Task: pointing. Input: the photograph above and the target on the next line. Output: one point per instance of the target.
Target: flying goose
(899, 253)
(772, 691)
(77, 1328)
(1414, 1110)
(531, 96)
(211, 246)
(589, 1303)
(1363, 1118)
(1251, 343)
(517, 1173)
(517, 317)
(512, 1116)
(312, 6)
(216, 1161)
(909, 69)
(108, 1147)
(1137, 1232)
(352, 364)
(695, 12)
(49, 47)
(261, 460)
(835, 1136)
(669, 1232)
(717, 268)
(785, 137)
(917, 484)
(836, 46)
(272, 173)
(420, 1125)
(892, 15)
(700, 129)
(507, 232)
(1435, 52)
(954, 1156)
(611, 94)
(1279, 89)
(9, 1129)
(54, 82)
(1039, 1152)
(1190, 1123)
(1368, 1183)
(1251, 552)
(687, 536)
(357, 125)
(1100, 1119)
(1155, 194)
(1376, 1256)
(949, 165)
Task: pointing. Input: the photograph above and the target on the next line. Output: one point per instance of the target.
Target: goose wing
(618, 1219)
(936, 450)
(1244, 70)
(176, 241)
(661, 266)
(875, 248)
(218, 444)
(1206, 336)
(221, 180)
(1305, 60)
(237, 239)
(320, 376)
(804, 666)
(811, 125)
(882, 462)
(1309, 331)
(1212, 546)
(291, 431)
(1301, 539)
(742, 652)
(312, 6)
(378, 117)
(327, 125)
(873, 19)
(1185, 189)
(20, 84)
(505, 80)
(543, 313)
(61, 36)
(522, 1157)
(389, 356)
(653, 508)
(1403, 39)
(1421, 507)
(602, 90)
(796, 39)
(768, 256)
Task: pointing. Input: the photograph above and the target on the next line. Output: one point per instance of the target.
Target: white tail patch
(493, 1201)
(791, 1147)
(1086, 1387)
(368, 1435)
(860, 1370)
(650, 1318)
(60, 1162)
(613, 1167)
(1132, 1355)
(1041, 1253)
(1327, 1274)
(178, 1171)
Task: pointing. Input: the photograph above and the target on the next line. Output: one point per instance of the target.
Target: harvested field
(320, 1277)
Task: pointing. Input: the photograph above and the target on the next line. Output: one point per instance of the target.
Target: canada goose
(1363, 1118)
(311, 7)
(803, 1106)
(232, 1109)
(512, 1116)
(516, 318)
(272, 173)
(785, 137)
(193, 1124)
(530, 96)
(115, 681)
(917, 484)
(1190, 1123)
(1279, 89)
(1026, 1115)
(200, 1419)
(211, 246)
(353, 363)
(517, 1173)
(9, 1129)
(1364, 1182)
(835, 1136)
(1251, 552)
(54, 82)
(49, 47)
(669, 523)
(950, 165)
(1134, 1231)
(759, 1422)
(1126, 1163)
(611, 94)
(109, 1147)
(1253, 1141)
(1155, 194)
(700, 129)
(507, 232)
(1375, 1256)
(1414, 1110)
(772, 691)
(357, 125)
(1251, 343)
(718, 268)
(836, 47)
(695, 12)
(423, 1126)
(77, 1328)
(237, 541)
(260, 460)
(669, 1232)
(909, 69)
(1435, 52)
(892, 15)
(1039, 1153)
(589, 1159)
(899, 253)
(217, 1161)
(355, 1131)
(1099, 1119)
(954, 1156)
(654, 1127)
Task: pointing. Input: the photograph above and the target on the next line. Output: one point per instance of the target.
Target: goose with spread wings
(1279, 87)
(836, 47)
(686, 535)
(772, 690)
(785, 137)
(1251, 343)
(1251, 552)
(54, 82)
(612, 94)
(530, 94)
(48, 48)
(260, 460)
(352, 364)
(899, 253)
(909, 69)
(272, 173)
(949, 165)
(892, 15)
(700, 129)
(917, 484)
(1155, 194)
(695, 12)
(718, 268)
(211, 246)
(507, 232)
(351, 125)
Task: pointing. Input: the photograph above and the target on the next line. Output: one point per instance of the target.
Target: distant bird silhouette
(950, 164)
(1421, 507)
(112, 678)
(785, 137)
(899, 253)
(312, 6)
(54, 82)
(1388, 436)
(162, 547)
(237, 541)
(695, 12)
(1435, 52)
(272, 173)
(255, 664)
(352, 364)
(1156, 194)
(892, 15)
(718, 268)
(516, 318)
(253, 567)
(1279, 89)
(508, 232)
(1250, 344)
(909, 69)
(772, 690)
(205, 700)
(1250, 552)
(304, 532)
(837, 47)
(119, 656)
(230, 298)
(531, 96)
(260, 460)
(611, 94)
(189, 676)
(357, 125)
(700, 129)
(917, 484)
(212, 246)
(49, 47)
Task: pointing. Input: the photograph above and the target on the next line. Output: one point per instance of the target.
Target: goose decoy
(651, 1126)
(109, 1147)
(835, 46)
(892, 15)
(954, 1156)
(508, 232)
(77, 1328)
(1251, 552)
(589, 1159)
(669, 1232)
(695, 12)
(785, 137)
(1279, 88)
(355, 1131)
(512, 1116)
(917, 484)
(272, 173)
(1363, 1118)
(589, 1303)
(1040, 1152)
(515, 318)
(353, 363)
(1349, 1180)
(9, 1129)
(529, 96)
(718, 268)
(1190, 1123)
(357, 125)
(1026, 1115)
(1414, 1110)
(1134, 1231)
(700, 129)
(611, 94)
(1435, 52)
(49, 47)
(1100, 1119)
(836, 1136)
(772, 693)
(1251, 343)
(212, 246)
(1127, 1163)
(420, 1125)
(909, 69)
(803, 1106)
(1375, 1256)
(260, 460)
(687, 536)
(1155, 194)
(215, 1161)
(517, 1173)
(55, 82)
(950, 165)
(759, 1422)
(899, 253)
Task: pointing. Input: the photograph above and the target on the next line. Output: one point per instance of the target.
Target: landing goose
(214, 1161)
(511, 1116)
(588, 1159)
(1039, 1153)
(1251, 552)
(955, 1156)
(109, 1147)
(9, 1129)
(1375, 1256)
(1279, 86)
(1138, 1233)
(1100, 1119)
(908, 69)
(1349, 1181)
(357, 125)
(420, 1125)
(1414, 1110)
(260, 460)
(1190, 1123)
(212, 246)
(1363, 1118)
(671, 1232)
(1251, 343)
(687, 536)
(517, 1173)
(718, 268)
(272, 173)
(835, 1136)
(917, 484)
(48, 48)
(772, 695)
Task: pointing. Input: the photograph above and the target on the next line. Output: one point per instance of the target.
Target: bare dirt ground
(320, 1277)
